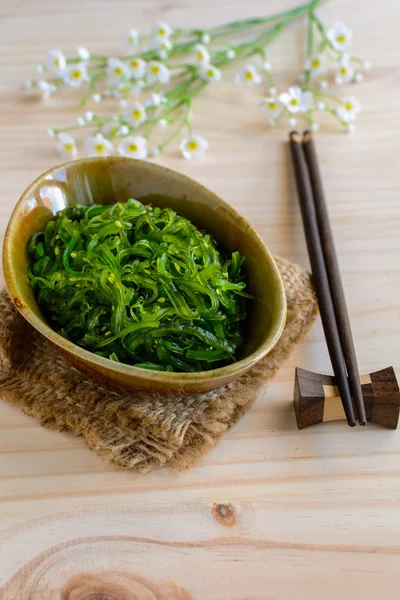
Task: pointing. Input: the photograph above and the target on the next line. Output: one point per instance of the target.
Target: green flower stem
(325, 95)
(310, 45)
(175, 134)
(238, 25)
(215, 32)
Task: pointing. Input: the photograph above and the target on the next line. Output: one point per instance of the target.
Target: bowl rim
(90, 357)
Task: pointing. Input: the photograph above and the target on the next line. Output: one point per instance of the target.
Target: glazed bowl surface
(113, 179)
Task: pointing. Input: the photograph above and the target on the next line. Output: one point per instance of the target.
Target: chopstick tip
(307, 136)
(295, 137)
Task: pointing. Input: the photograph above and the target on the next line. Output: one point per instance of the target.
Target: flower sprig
(327, 62)
(154, 84)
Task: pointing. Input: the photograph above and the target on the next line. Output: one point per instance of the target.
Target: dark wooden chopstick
(335, 280)
(320, 277)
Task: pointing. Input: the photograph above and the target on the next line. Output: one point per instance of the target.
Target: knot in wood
(224, 513)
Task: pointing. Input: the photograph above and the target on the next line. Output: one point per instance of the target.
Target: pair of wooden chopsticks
(326, 276)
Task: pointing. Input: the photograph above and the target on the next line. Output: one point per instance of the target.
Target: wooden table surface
(309, 514)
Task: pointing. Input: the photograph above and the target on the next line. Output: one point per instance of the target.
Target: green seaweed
(139, 285)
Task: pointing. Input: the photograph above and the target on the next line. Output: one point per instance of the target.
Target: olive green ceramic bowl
(109, 180)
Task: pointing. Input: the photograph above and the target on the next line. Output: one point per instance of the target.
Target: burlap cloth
(135, 431)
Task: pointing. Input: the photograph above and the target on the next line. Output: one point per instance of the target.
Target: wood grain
(313, 513)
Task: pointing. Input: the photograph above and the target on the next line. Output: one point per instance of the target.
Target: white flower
(75, 75)
(154, 151)
(230, 54)
(136, 89)
(316, 64)
(46, 88)
(138, 67)
(83, 53)
(80, 121)
(272, 91)
(51, 133)
(117, 70)
(96, 98)
(314, 126)
(349, 109)
(161, 31)
(29, 84)
(350, 127)
(249, 76)
(88, 115)
(67, 146)
(270, 107)
(193, 146)
(359, 77)
(98, 145)
(340, 37)
(156, 100)
(366, 65)
(123, 90)
(320, 105)
(292, 122)
(135, 114)
(163, 123)
(209, 73)
(55, 61)
(202, 55)
(345, 71)
(123, 103)
(205, 38)
(132, 37)
(295, 100)
(110, 129)
(157, 71)
(323, 84)
(40, 68)
(162, 54)
(124, 130)
(266, 66)
(163, 46)
(134, 147)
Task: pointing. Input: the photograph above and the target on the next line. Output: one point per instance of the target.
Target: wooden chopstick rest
(317, 399)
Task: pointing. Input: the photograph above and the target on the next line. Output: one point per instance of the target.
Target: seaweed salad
(139, 285)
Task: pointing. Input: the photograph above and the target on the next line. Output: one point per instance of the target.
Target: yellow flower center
(272, 105)
(294, 102)
(118, 71)
(134, 63)
(132, 148)
(99, 148)
(155, 69)
(341, 38)
(316, 63)
(162, 32)
(344, 70)
(200, 55)
(349, 106)
(249, 76)
(76, 75)
(57, 62)
(192, 145)
(68, 147)
(137, 113)
(210, 73)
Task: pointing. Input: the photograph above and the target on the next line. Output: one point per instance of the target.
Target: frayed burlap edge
(135, 431)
